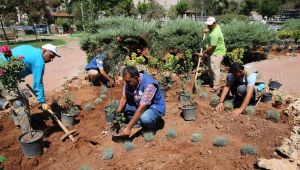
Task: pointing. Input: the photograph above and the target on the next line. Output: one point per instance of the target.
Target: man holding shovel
(34, 59)
(215, 50)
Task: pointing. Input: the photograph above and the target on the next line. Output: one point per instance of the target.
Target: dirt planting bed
(162, 153)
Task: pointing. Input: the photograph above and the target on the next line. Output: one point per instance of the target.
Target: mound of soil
(161, 153)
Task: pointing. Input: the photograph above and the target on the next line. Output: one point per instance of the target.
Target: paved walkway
(56, 71)
(285, 70)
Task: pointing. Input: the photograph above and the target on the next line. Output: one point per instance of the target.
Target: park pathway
(285, 70)
(73, 59)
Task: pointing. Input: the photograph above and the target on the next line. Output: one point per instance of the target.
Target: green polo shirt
(216, 38)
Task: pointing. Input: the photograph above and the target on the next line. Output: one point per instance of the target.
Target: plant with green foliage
(98, 101)
(2, 160)
(142, 7)
(250, 110)
(279, 99)
(196, 137)
(128, 146)
(290, 29)
(84, 167)
(246, 35)
(227, 18)
(148, 136)
(248, 150)
(88, 106)
(117, 122)
(273, 115)
(171, 133)
(203, 94)
(214, 101)
(68, 105)
(228, 105)
(182, 6)
(103, 96)
(236, 55)
(10, 67)
(107, 154)
(220, 141)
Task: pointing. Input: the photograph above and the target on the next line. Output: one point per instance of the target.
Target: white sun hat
(52, 48)
(210, 21)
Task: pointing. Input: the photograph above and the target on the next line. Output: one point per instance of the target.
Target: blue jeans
(147, 119)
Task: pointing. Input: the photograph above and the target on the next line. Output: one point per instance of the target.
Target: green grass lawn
(36, 43)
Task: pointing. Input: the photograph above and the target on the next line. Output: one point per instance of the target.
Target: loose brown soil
(161, 153)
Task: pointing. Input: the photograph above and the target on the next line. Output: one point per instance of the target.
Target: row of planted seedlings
(219, 141)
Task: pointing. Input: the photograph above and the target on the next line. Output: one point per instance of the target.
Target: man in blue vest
(142, 100)
(95, 70)
(35, 59)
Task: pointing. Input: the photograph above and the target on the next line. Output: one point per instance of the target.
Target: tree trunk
(4, 32)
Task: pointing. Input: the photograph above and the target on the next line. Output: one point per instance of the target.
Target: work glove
(44, 106)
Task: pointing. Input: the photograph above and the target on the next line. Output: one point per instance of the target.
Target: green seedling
(248, 150)
(203, 95)
(250, 110)
(107, 154)
(128, 146)
(103, 96)
(196, 137)
(2, 159)
(228, 105)
(214, 100)
(118, 120)
(103, 90)
(98, 101)
(273, 115)
(84, 167)
(171, 133)
(88, 106)
(148, 136)
(220, 141)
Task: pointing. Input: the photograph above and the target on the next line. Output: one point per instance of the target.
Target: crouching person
(95, 71)
(142, 101)
(245, 83)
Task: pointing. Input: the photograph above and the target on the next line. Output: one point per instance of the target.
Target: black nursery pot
(32, 146)
(189, 113)
(266, 97)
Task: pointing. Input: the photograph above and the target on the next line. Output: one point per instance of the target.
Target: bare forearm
(122, 104)
(104, 74)
(139, 111)
(224, 93)
(209, 49)
(247, 97)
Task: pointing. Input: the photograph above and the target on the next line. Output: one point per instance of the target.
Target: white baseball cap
(51, 48)
(210, 21)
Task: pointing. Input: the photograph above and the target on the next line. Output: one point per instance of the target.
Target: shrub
(179, 34)
(84, 167)
(103, 96)
(98, 101)
(250, 110)
(248, 150)
(171, 133)
(148, 136)
(220, 141)
(107, 154)
(246, 35)
(228, 105)
(203, 95)
(227, 18)
(236, 55)
(128, 146)
(214, 100)
(88, 106)
(291, 29)
(196, 137)
(103, 89)
(273, 115)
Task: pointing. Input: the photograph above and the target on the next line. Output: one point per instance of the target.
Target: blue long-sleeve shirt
(33, 58)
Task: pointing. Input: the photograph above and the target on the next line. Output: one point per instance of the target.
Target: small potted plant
(70, 111)
(118, 123)
(278, 101)
(184, 95)
(189, 110)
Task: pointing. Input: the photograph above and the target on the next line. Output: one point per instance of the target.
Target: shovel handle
(52, 114)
